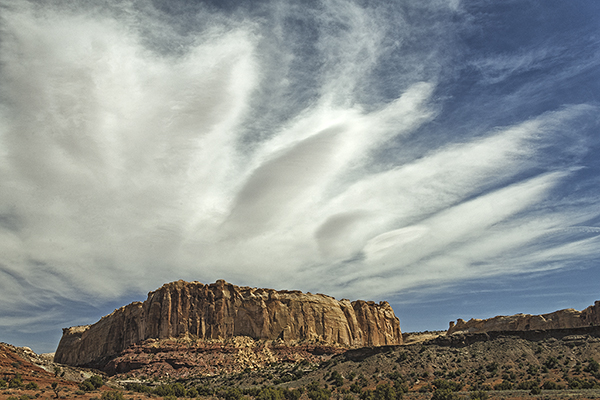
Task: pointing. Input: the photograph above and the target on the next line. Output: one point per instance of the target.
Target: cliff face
(221, 311)
(562, 319)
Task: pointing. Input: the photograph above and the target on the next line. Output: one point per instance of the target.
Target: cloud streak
(281, 147)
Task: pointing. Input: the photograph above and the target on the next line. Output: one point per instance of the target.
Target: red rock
(222, 311)
(562, 319)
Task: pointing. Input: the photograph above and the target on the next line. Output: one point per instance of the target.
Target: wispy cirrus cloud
(287, 147)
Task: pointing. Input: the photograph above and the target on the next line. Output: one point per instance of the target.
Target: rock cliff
(221, 310)
(562, 319)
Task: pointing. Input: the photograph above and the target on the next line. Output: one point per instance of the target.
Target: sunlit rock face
(562, 319)
(222, 310)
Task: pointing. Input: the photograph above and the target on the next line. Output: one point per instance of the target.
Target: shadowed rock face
(222, 310)
(562, 319)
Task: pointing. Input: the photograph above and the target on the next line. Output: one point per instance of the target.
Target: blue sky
(441, 155)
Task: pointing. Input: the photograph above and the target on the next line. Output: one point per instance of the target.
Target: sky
(442, 155)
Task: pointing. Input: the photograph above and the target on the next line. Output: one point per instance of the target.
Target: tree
(55, 388)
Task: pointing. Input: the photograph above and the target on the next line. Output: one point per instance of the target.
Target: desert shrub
(478, 395)
(549, 385)
(362, 381)
(395, 376)
(91, 383)
(315, 392)
(270, 393)
(293, 394)
(112, 395)
(444, 394)
(582, 384)
(193, 393)
(355, 387)
(536, 390)
(527, 385)
(97, 381)
(138, 387)
(551, 362)
(593, 366)
(533, 370)
(2, 383)
(492, 368)
(337, 378)
(163, 390)
(86, 386)
(32, 386)
(16, 382)
(231, 393)
(503, 386)
(444, 384)
(426, 388)
(204, 390)
(178, 390)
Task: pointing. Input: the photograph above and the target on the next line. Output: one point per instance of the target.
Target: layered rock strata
(184, 358)
(562, 319)
(221, 310)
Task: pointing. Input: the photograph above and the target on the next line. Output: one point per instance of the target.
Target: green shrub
(444, 394)
(503, 386)
(337, 378)
(91, 383)
(178, 390)
(16, 382)
(32, 386)
(97, 381)
(444, 384)
(204, 390)
(231, 393)
(527, 385)
(86, 386)
(592, 366)
(479, 395)
(315, 392)
(112, 395)
(551, 363)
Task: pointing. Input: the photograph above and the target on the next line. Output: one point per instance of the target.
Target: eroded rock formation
(221, 310)
(562, 319)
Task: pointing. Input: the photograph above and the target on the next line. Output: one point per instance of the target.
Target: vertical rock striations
(222, 310)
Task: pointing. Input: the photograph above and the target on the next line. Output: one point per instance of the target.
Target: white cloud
(124, 166)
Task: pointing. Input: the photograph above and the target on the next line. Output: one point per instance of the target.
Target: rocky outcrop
(221, 310)
(562, 319)
(184, 358)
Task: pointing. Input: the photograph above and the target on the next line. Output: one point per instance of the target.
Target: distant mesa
(562, 319)
(222, 311)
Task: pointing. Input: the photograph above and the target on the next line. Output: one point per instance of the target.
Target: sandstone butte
(223, 311)
(562, 319)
